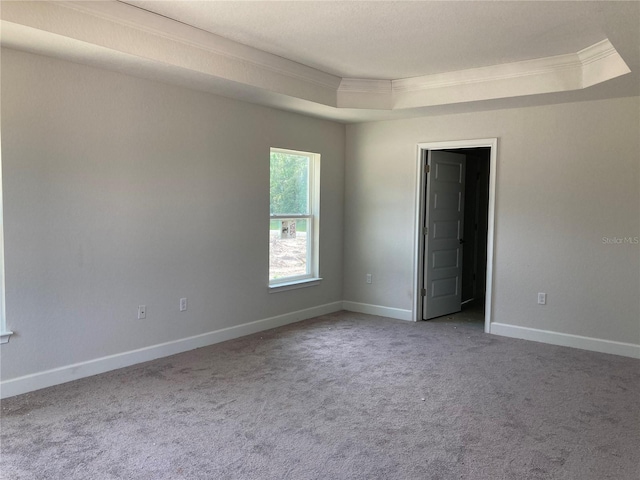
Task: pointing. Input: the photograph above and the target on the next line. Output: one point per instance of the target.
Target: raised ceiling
(351, 61)
(390, 40)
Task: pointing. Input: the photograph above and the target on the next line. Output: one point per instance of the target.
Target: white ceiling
(389, 40)
(351, 61)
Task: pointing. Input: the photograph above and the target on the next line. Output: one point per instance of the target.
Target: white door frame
(418, 247)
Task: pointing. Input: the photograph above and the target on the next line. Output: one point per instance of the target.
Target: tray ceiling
(351, 61)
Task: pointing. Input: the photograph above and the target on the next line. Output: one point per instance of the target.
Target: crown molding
(595, 64)
(112, 34)
(601, 62)
(597, 51)
(142, 20)
(365, 94)
(493, 73)
(361, 85)
(557, 65)
(129, 31)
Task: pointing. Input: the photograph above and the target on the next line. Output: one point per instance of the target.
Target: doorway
(455, 203)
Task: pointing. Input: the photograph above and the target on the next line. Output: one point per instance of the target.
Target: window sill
(283, 287)
(4, 337)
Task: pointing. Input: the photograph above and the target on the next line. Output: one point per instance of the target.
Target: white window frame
(312, 277)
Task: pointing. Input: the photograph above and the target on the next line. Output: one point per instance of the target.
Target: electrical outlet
(369, 278)
(183, 304)
(542, 298)
(142, 312)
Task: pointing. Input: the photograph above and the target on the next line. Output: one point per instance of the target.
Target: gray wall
(120, 191)
(567, 176)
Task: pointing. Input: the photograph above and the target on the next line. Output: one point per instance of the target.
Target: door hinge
(423, 292)
(425, 231)
(428, 169)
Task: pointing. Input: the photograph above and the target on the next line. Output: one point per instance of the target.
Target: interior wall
(120, 191)
(568, 178)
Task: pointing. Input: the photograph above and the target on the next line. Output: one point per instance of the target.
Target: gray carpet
(343, 396)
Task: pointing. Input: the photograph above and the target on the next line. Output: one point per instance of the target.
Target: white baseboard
(56, 376)
(390, 312)
(567, 340)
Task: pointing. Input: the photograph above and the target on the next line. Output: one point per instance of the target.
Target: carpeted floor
(343, 396)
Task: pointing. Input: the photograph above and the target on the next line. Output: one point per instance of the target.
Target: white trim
(594, 64)
(397, 313)
(596, 52)
(56, 376)
(4, 332)
(143, 20)
(82, 32)
(600, 62)
(4, 336)
(493, 73)
(362, 85)
(418, 238)
(283, 287)
(491, 230)
(290, 217)
(365, 93)
(567, 340)
(418, 243)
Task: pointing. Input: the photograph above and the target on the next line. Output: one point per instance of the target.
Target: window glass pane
(289, 184)
(288, 248)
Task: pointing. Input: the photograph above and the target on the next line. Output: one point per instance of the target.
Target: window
(294, 182)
